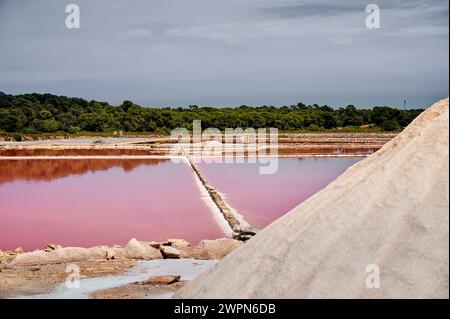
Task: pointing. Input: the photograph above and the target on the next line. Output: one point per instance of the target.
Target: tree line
(47, 113)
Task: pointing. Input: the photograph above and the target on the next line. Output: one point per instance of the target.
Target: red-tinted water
(263, 198)
(95, 202)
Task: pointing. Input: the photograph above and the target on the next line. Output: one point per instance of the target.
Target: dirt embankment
(10, 137)
(288, 144)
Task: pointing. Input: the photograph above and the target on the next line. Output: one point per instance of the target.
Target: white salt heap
(389, 210)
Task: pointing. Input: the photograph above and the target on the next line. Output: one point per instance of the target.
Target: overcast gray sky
(227, 52)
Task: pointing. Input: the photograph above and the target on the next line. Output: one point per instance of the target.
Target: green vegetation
(46, 113)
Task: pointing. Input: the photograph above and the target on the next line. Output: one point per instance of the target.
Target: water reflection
(81, 151)
(50, 169)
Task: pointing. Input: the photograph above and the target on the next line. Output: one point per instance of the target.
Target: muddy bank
(37, 272)
(153, 279)
(30, 280)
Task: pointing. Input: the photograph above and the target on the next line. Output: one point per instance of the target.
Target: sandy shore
(120, 279)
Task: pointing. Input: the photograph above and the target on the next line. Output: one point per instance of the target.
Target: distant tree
(126, 105)
(50, 113)
(390, 125)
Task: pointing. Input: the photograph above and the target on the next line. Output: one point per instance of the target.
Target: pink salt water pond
(87, 202)
(263, 198)
(94, 202)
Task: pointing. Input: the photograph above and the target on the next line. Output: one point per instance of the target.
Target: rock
(245, 237)
(161, 280)
(110, 254)
(3, 255)
(216, 249)
(134, 250)
(157, 244)
(236, 227)
(178, 242)
(35, 268)
(186, 251)
(248, 230)
(68, 254)
(140, 250)
(18, 250)
(50, 247)
(169, 252)
(58, 256)
(154, 244)
(31, 258)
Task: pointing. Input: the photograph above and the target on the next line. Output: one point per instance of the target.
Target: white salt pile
(388, 213)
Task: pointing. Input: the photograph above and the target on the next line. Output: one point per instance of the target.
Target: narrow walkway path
(235, 220)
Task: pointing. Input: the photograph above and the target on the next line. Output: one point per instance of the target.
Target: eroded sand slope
(390, 209)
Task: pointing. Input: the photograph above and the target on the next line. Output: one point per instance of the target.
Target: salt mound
(389, 210)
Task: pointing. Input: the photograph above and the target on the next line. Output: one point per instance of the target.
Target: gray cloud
(217, 52)
(311, 9)
(298, 9)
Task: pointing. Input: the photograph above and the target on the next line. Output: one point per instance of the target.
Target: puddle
(186, 268)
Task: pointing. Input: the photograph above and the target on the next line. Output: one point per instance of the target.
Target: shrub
(16, 136)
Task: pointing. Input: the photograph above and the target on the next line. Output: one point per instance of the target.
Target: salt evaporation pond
(263, 198)
(87, 202)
